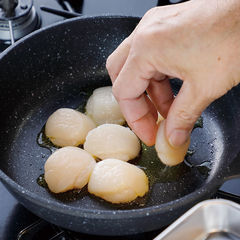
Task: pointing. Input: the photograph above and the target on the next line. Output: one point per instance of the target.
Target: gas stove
(18, 20)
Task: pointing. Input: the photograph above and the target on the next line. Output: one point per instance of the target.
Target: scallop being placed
(68, 168)
(117, 181)
(169, 155)
(112, 141)
(68, 127)
(102, 107)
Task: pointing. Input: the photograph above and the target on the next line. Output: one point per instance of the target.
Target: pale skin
(197, 41)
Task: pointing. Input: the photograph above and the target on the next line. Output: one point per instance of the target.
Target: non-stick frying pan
(57, 67)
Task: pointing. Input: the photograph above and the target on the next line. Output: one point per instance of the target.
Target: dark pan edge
(92, 17)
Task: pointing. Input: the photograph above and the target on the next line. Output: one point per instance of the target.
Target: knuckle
(144, 39)
(151, 12)
(109, 63)
(148, 34)
(127, 41)
(110, 68)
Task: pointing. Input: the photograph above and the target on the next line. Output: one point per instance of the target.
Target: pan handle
(233, 170)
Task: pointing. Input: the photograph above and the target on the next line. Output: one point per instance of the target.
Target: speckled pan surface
(58, 67)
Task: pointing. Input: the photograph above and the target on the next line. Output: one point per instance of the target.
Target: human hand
(196, 41)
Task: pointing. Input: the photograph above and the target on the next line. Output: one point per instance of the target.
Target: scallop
(160, 118)
(102, 107)
(68, 127)
(117, 181)
(112, 141)
(169, 155)
(68, 168)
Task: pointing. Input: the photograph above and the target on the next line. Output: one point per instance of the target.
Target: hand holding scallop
(68, 168)
(102, 107)
(112, 141)
(68, 127)
(168, 154)
(117, 181)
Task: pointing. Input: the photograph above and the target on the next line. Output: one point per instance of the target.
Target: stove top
(16, 222)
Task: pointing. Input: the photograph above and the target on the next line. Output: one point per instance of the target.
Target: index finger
(129, 88)
(117, 59)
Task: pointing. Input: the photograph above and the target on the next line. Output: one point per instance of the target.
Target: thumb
(184, 112)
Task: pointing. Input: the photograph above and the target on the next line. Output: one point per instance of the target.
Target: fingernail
(178, 137)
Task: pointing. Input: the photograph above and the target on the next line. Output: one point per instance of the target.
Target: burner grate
(43, 230)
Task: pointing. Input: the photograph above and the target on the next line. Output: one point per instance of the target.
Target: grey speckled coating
(52, 68)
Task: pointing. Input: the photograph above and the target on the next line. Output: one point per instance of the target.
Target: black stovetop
(16, 222)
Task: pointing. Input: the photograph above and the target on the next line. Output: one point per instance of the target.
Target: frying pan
(54, 68)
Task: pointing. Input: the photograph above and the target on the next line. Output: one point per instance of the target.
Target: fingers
(137, 108)
(161, 94)
(129, 88)
(152, 108)
(140, 119)
(184, 112)
(117, 59)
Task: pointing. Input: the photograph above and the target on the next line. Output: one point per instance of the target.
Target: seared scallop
(68, 168)
(168, 154)
(68, 127)
(112, 141)
(117, 181)
(102, 107)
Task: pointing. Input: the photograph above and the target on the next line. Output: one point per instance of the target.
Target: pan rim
(189, 199)
(80, 18)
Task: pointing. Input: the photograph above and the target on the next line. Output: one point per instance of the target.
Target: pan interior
(25, 159)
(63, 74)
